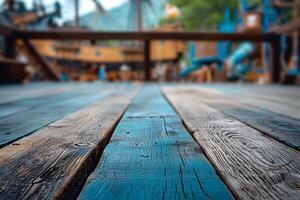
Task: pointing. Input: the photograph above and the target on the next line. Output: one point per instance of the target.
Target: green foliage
(203, 14)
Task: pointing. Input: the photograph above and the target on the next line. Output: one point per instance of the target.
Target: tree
(203, 14)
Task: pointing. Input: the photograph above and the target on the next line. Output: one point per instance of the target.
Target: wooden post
(10, 4)
(139, 15)
(276, 63)
(77, 19)
(147, 60)
(9, 46)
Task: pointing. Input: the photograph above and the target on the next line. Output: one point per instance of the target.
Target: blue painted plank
(21, 124)
(152, 156)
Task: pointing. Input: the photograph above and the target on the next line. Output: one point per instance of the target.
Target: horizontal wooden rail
(11, 62)
(145, 35)
(148, 36)
(288, 27)
(5, 30)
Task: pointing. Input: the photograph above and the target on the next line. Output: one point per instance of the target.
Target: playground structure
(257, 54)
(248, 61)
(148, 140)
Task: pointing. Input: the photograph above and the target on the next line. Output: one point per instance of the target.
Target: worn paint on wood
(152, 156)
(253, 166)
(279, 127)
(50, 97)
(13, 93)
(278, 99)
(54, 161)
(24, 123)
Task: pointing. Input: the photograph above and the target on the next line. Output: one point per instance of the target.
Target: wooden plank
(55, 161)
(252, 165)
(288, 27)
(28, 97)
(24, 123)
(278, 99)
(277, 126)
(14, 93)
(52, 96)
(11, 62)
(152, 156)
(143, 35)
(289, 96)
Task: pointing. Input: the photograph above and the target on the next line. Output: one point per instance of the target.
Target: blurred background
(113, 60)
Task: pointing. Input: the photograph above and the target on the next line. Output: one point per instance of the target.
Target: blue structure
(102, 73)
(236, 64)
(199, 63)
(271, 17)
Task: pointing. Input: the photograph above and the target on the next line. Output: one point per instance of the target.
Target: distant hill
(118, 18)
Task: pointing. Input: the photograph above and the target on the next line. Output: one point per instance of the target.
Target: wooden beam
(10, 4)
(286, 28)
(150, 35)
(11, 62)
(144, 35)
(295, 4)
(147, 60)
(40, 60)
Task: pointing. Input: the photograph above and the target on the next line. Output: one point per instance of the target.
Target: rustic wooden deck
(149, 141)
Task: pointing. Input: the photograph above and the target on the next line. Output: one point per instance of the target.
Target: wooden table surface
(149, 141)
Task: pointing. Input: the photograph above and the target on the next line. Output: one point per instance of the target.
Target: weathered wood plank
(48, 98)
(152, 156)
(252, 165)
(277, 126)
(11, 94)
(278, 99)
(24, 123)
(32, 96)
(55, 161)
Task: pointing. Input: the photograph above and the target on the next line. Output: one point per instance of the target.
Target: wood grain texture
(252, 165)
(279, 127)
(54, 161)
(152, 156)
(49, 97)
(24, 123)
(14, 93)
(278, 99)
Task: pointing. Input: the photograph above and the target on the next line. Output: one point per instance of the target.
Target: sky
(85, 5)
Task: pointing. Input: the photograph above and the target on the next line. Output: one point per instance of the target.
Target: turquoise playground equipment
(236, 59)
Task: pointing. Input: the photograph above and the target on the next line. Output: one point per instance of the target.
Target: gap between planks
(24, 123)
(279, 127)
(252, 165)
(54, 162)
(152, 156)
